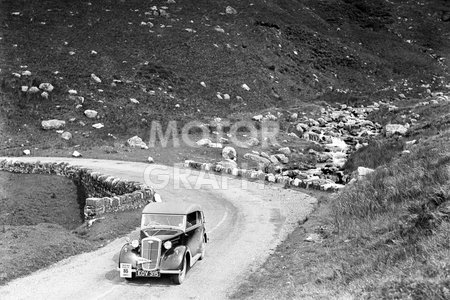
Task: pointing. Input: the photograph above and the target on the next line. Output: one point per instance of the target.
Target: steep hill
(159, 53)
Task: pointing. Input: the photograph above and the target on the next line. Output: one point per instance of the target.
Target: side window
(192, 219)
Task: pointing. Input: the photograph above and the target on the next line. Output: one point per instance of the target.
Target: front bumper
(171, 272)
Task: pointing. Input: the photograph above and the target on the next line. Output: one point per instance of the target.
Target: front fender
(173, 258)
(128, 255)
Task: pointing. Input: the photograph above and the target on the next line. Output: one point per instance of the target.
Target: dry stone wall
(310, 183)
(105, 193)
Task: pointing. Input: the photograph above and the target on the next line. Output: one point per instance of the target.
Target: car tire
(179, 278)
(203, 251)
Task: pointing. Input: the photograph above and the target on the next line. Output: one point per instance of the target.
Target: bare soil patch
(30, 199)
(41, 223)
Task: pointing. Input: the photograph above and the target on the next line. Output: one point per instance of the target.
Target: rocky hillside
(132, 62)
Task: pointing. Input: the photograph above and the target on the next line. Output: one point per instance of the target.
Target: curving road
(245, 222)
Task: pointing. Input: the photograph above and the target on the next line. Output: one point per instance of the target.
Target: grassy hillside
(287, 52)
(386, 236)
(398, 221)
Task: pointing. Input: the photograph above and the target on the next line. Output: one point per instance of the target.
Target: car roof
(176, 208)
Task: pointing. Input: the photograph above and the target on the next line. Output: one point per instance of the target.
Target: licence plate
(143, 273)
(125, 270)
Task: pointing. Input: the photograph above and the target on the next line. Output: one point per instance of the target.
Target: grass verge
(383, 237)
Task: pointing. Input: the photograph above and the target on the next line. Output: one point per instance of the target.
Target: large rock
(392, 129)
(53, 124)
(91, 114)
(66, 135)
(273, 159)
(230, 10)
(229, 153)
(256, 158)
(204, 142)
(282, 158)
(362, 172)
(45, 86)
(285, 150)
(136, 141)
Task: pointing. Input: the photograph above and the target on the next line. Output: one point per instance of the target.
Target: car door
(194, 231)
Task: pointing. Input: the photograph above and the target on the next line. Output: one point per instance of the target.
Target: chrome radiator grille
(150, 249)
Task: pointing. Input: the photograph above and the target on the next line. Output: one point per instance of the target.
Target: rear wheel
(179, 278)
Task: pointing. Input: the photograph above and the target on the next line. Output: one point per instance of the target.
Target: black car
(172, 237)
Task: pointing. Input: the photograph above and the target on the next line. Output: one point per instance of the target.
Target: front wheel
(179, 278)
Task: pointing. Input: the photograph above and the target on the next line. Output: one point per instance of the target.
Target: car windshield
(163, 221)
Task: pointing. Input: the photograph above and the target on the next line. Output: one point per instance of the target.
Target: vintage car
(172, 239)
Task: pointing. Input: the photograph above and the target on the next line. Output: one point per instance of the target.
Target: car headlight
(168, 245)
(135, 243)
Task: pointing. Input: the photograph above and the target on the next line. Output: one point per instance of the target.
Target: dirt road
(245, 222)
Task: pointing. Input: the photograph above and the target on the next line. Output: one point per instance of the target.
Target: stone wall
(105, 193)
(310, 183)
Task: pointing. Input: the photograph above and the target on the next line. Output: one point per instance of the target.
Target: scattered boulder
(204, 142)
(66, 135)
(362, 172)
(285, 150)
(136, 141)
(230, 10)
(229, 153)
(150, 160)
(257, 118)
(98, 125)
(47, 87)
(76, 154)
(256, 158)
(26, 152)
(53, 124)
(91, 114)
(96, 78)
(282, 158)
(273, 159)
(314, 238)
(33, 90)
(301, 127)
(215, 145)
(392, 129)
